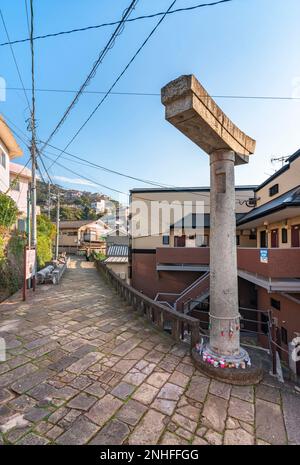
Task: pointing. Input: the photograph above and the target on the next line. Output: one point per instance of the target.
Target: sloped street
(84, 368)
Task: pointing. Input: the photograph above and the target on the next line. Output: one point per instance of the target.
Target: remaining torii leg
(224, 311)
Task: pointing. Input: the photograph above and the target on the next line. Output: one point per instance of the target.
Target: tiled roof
(193, 220)
(74, 224)
(116, 260)
(289, 199)
(117, 251)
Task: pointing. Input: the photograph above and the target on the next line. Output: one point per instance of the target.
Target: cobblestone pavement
(84, 368)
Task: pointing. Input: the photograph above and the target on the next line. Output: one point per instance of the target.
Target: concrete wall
(288, 316)
(120, 269)
(145, 278)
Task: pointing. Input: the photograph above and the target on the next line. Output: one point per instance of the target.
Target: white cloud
(79, 181)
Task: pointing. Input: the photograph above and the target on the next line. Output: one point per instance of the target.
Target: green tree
(8, 211)
(45, 235)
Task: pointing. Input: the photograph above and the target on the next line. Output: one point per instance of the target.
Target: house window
(237, 240)
(263, 239)
(284, 336)
(166, 240)
(179, 241)
(275, 303)
(15, 185)
(2, 159)
(252, 236)
(274, 190)
(284, 236)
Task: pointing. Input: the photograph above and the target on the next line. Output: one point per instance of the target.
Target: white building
(99, 206)
(20, 177)
(9, 149)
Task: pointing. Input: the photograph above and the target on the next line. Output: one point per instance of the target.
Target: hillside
(74, 204)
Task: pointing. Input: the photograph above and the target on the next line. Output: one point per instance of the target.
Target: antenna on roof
(278, 159)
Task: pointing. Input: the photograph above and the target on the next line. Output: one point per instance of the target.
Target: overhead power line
(15, 60)
(139, 197)
(156, 94)
(84, 177)
(95, 66)
(33, 134)
(84, 162)
(116, 81)
(114, 23)
(108, 170)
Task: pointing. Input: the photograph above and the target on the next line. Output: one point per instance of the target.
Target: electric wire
(115, 82)
(109, 45)
(113, 23)
(14, 59)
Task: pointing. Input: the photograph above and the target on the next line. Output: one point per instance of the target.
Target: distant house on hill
(77, 236)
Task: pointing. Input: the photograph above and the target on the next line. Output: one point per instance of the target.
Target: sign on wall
(30, 263)
(264, 255)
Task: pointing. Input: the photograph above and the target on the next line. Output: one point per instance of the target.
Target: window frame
(266, 239)
(273, 190)
(167, 238)
(3, 161)
(284, 240)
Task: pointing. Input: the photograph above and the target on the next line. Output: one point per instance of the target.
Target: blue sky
(245, 47)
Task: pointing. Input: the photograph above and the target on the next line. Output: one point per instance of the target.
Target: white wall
(20, 197)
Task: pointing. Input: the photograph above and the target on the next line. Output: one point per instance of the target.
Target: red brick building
(172, 264)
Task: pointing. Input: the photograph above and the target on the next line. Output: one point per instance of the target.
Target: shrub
(98, 255)
(11, 262)
(8, 211)
(45, 235)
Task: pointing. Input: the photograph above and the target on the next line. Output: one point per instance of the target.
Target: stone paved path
(84, 368)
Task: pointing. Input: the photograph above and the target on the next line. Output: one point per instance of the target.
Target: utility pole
(28, 226)
(33, 140)
(57, 225)
(33, 194)
(49, 200)
(118, 220)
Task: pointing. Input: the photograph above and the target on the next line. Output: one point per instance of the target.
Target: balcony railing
(282, 263)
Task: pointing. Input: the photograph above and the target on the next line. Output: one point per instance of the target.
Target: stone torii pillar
(191, 110)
